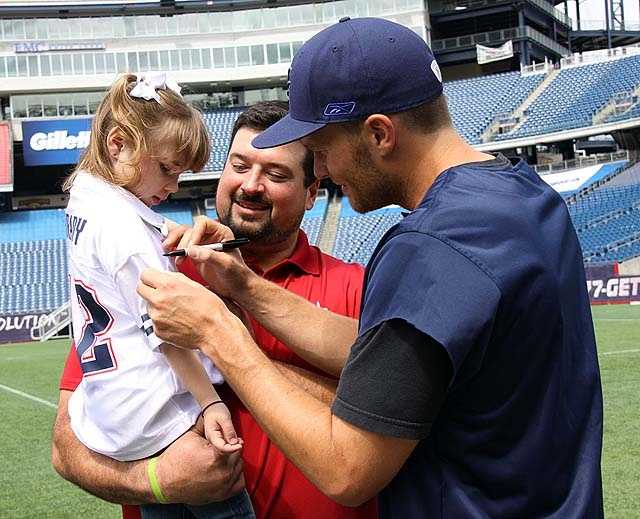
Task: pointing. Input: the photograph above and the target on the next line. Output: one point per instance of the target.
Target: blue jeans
(238, 506)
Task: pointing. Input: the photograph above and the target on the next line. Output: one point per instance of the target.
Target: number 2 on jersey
(94, 349)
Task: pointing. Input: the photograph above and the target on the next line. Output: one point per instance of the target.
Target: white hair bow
(148, 84)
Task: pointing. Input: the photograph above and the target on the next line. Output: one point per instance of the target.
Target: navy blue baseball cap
(351, 70)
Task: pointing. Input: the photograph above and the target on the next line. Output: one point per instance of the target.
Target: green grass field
(30, 488)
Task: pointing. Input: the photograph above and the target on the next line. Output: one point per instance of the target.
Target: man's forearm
(319, 336)
(111, 480)
(322, 388)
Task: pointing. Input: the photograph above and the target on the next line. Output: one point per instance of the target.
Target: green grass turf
(30, 488)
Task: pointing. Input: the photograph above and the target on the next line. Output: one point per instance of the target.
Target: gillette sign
(58, 141)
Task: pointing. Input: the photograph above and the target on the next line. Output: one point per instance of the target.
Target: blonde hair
(143, 125)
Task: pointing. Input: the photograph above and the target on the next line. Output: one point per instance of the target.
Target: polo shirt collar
(304, 257)
(86, 180)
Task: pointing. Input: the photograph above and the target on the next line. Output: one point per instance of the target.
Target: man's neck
(434, 155)
(266, 255)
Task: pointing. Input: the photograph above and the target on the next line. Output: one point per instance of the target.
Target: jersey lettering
(95, 356)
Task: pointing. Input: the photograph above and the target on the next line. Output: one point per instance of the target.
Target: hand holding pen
(222, 246)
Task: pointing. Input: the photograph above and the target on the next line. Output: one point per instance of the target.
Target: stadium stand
(219, 124)
(313, 219)
(177, 211)
(474, 103)
(358, 234)
(576, 95)
(608, 223)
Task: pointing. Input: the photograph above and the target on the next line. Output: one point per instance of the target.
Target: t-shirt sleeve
(72, 372)
(433, 286)
(395, 355)
(127, 278)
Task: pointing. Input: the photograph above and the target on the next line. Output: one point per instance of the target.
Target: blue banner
(59, 141)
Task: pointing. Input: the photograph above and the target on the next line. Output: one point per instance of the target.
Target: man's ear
(312, 192)
(115, 143)
(380, 133)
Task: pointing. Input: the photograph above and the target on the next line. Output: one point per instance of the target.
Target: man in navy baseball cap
(472, 386)
(353, 69)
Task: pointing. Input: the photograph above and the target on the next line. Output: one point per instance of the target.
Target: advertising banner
(20, 328)
(59, 141)
(614, 289)
(6, 155)
(489, 54)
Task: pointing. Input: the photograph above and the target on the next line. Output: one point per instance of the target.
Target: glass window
(270, 18)
(45, 65)
(185, 57)
(110, 62)
(54, 29)
(80, 104)
(296, 46)
(12, 66)
(34, 106)
(162, 26)
(67, 64)
(215, 22)
(129, 26)
(30, 29)
(244, 57)
(118, 27)
(65, 104)
(76, 25)
(3, 63)
(42, 29)
(217, 56)
(89, 65)
(121, 61)
(78, 69)
(34, 70)
(144, 61)
(133, 62)
(153, 60)
(19, 106)
(285, 52)
(203, 24)
(195, 59)
(229, 57)
(187, 24)
(206, 58)
(164, 60)
(56, 65)
(94, 99)
(50, 106)
(100, 66)
(257, 54)
(272, 53)
(175, 59)
(172, 25)
(22, 66)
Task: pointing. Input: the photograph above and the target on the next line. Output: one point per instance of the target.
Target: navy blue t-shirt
(490, 269)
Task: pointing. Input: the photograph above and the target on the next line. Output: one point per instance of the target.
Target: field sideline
(29, 374)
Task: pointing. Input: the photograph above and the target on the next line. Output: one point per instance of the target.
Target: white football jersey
(130, 404)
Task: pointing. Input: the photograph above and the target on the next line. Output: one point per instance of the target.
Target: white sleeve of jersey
(127, 278)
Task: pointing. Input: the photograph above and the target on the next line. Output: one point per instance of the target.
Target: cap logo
(436, 70)
(333, 109)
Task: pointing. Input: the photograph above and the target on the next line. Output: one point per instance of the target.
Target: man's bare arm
(188, 470)
(319, 336)
(318, 386)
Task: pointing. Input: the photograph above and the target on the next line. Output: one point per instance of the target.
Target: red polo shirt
(277, 488)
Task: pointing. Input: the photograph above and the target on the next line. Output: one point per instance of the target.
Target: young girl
(138, 394)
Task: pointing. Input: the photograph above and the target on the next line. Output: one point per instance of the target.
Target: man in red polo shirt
(262, 194)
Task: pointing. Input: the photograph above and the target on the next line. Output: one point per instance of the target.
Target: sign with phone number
(614, 289)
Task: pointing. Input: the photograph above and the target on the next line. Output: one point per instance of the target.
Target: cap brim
(286, 130)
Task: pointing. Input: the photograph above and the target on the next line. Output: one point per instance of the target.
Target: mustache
(253, 199)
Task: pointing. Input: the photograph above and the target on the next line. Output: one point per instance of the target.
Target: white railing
(581, 162)
(53, 323)
(537, 68)
(599, 56)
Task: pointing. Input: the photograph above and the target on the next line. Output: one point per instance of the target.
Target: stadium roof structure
(84, 8)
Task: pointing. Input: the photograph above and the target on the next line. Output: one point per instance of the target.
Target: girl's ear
(115, 142)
